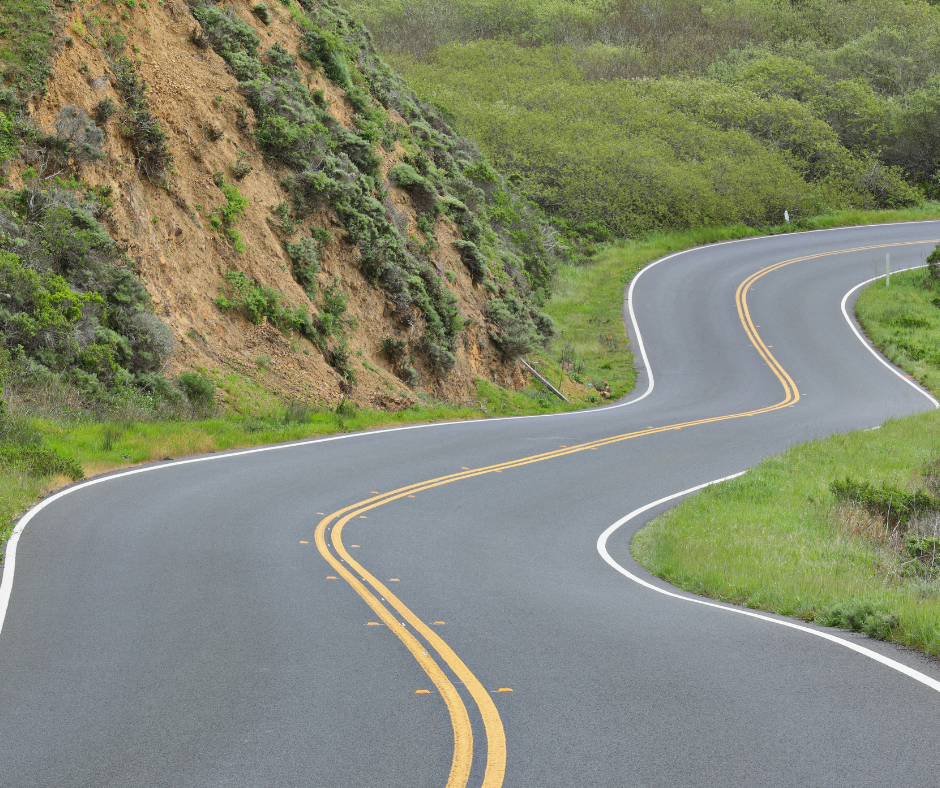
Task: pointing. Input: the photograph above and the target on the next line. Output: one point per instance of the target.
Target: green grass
(904, 322)
(772, 539)
(27, 39)
(252, 416)
(777, 539)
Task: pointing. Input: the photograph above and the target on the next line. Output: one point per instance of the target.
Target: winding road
(456, 605)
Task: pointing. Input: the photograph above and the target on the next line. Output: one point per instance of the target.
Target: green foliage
(261, 11)
(933, 266)
(325, 48)
(332, 320)
(9, 140)
(147, 135)
(420, 188)
(887, 501)
(329, 166)
(241, 167)
(859, 617)
(27, 42)
(516, 331)
(620, 120)
(224, 218)
(199, 389)
(103, 110)
(395, 350)
(70, 304)
(472, 258)
(305, 263)
(24, 450)
(258, 301)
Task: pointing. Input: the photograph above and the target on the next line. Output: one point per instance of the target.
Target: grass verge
(779, 539)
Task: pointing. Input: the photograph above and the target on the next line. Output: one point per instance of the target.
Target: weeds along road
(179, 626)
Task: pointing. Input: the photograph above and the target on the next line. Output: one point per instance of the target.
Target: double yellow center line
(373, 591)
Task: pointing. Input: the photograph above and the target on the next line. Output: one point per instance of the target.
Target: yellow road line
(493, 726)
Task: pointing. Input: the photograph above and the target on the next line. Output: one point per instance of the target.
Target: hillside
(625, 117)
(257, 178)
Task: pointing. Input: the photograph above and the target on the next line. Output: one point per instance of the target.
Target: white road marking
(912, 383)
(866, 652)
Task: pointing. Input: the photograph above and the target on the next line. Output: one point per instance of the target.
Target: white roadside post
(887, 270)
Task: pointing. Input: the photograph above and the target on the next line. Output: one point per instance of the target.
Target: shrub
(241, 167)
(261, 11)
(198, 388)
(933, 266)
(103, 110)
(38, 460)
(858, 617)
(146, 133)
(258, 301)
(473, 259)
(305, 263)
(325, 48)
(338, 358)
(516, 333)
(419, 187)
(224, 218)
(395, 350)
(890, 502)
(69, 299)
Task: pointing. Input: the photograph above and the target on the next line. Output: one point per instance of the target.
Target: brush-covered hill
(247, 194)
(626, 117)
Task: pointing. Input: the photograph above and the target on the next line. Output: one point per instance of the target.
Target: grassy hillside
(620, 117)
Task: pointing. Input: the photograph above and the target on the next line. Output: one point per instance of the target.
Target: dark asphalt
(169, 629)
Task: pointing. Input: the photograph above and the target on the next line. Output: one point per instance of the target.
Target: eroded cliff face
(170, 221)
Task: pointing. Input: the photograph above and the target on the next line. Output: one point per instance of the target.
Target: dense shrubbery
(641, 115)
(71, 302)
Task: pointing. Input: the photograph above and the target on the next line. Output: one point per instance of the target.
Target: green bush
(258, 301)
(858, 617)
(933, 265)
(261, 11)
(516, 334)
(224, 218)
(199, 389)
(325, 48)
(395, 350)
(888, 501)
(37, 460)
(103, 110)
(305, 263)
(473, 259)
(69, 300)
(147, 135)
(419, 187)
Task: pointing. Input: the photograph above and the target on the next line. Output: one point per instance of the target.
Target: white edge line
(868, 346)
(865, 652)
(9, 560)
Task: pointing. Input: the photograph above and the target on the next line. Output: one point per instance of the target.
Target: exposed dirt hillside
(173, 226)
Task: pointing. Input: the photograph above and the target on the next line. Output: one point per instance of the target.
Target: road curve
(427, 606)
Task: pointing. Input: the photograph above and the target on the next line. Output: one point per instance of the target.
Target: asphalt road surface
(177, 626)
